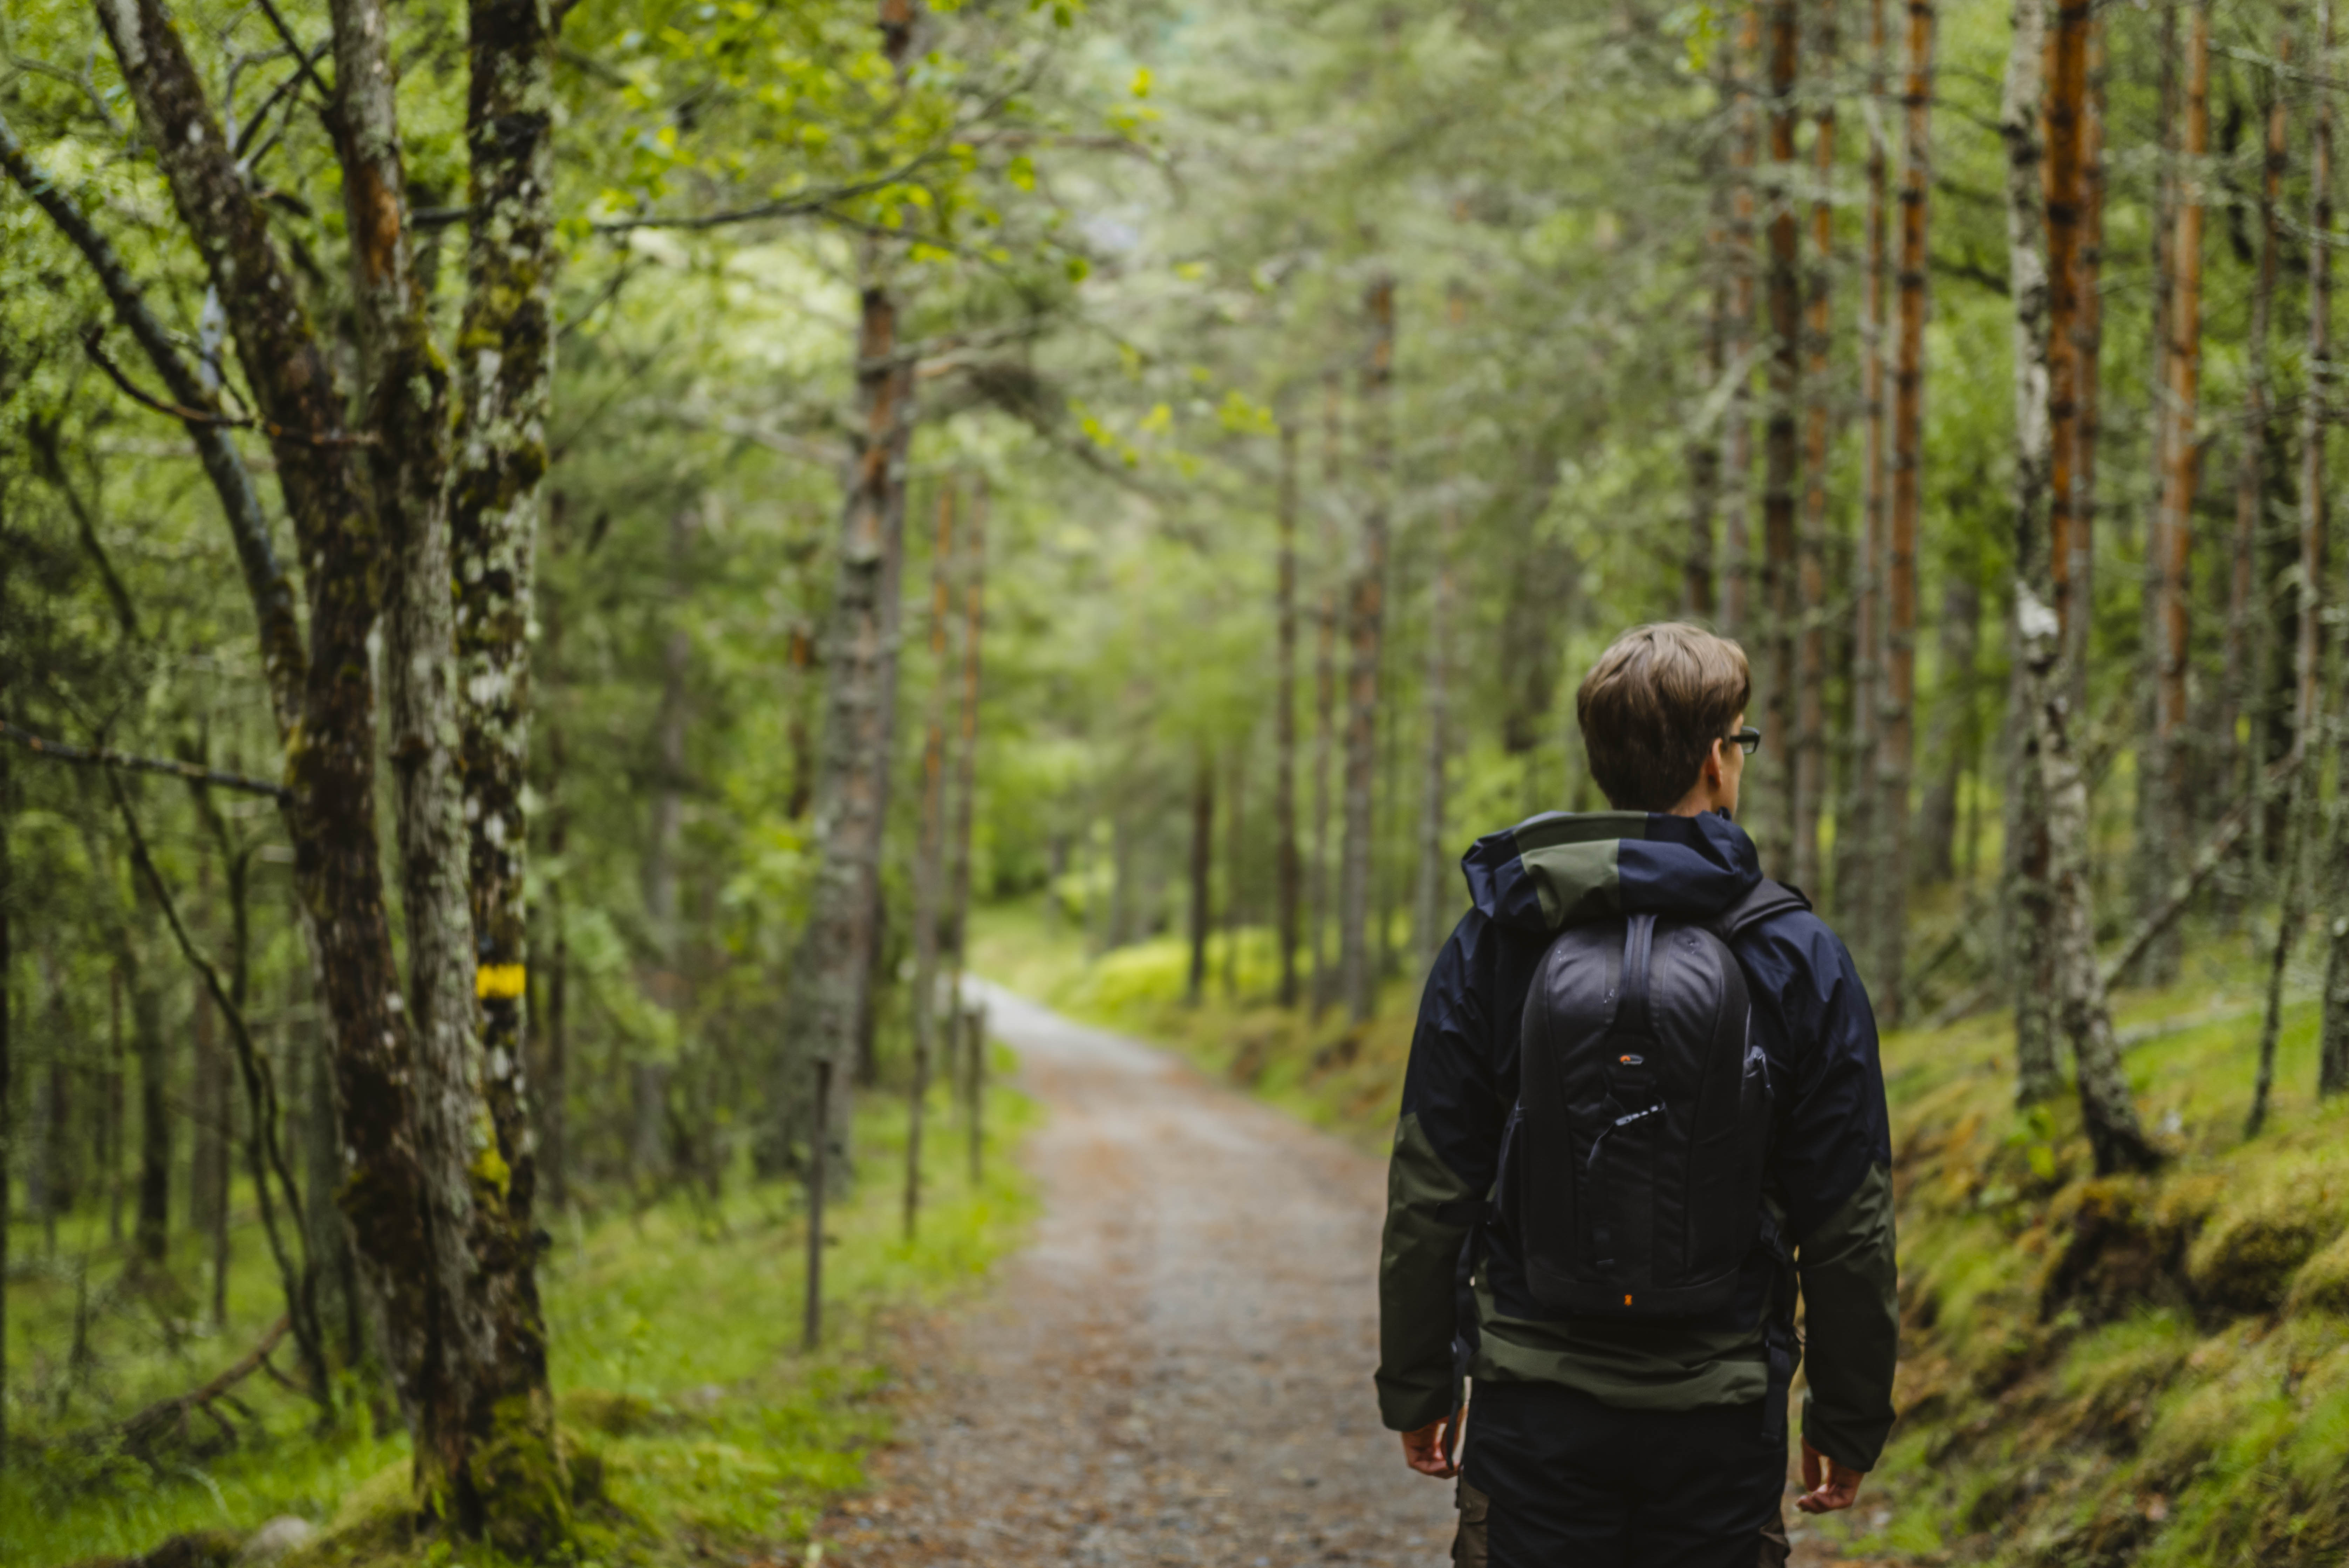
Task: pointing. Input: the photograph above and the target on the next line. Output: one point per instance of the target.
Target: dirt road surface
(1177, 1370)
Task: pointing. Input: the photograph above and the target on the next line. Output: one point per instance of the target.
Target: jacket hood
(1561, 867)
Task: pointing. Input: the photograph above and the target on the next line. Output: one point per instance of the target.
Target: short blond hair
(1651, 708)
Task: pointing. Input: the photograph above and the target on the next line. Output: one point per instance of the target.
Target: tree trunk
(1234, 871)
(1737, 419)
(505, 367)
(1429, 925)
(1203, 833)
(649, 1077)
(117, 1107)
(965, 765)
(1773, 801)
(2332, 1049)
(1810, 633)
(1859, 871)
(1287, 874)
(1325, 697)
(2077, 562)
(1703, 449)
(554, 1095)
(2029, 233)
(2172, 817)
(208, 1166)
(150, 1239)
(1900, 537)
(1949, 741)
(2065, 185)
(835, 970)
(2116, 1139)
(2250, 505)
(407, 1077)
(1366, 623)
(929, 871)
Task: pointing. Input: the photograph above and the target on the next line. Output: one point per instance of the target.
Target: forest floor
(679, 1378)
(1177, 1370)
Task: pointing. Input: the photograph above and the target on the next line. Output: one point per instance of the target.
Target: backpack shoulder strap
(1767, 898)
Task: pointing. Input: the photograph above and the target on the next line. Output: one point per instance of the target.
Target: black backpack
(1632, 1171)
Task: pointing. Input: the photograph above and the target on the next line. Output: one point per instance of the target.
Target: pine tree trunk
(1234, 871)
(2149, 860)
(1366, 625)
(1772, 789)
(2028, 231)
(1949, 741)
(1287, 872)
(1325, 698)
(1737, 417)
(929, 852)
(1702, 453)
(1858, 857)
(1900, 534)
(2115, 1136)
(2171, 819)
(1203, 833)
(1810, 632)
(1429, 927)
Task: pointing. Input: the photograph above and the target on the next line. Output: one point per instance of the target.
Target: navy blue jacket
(1828, 1179)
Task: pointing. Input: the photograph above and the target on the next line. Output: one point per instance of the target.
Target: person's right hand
(1423, 1450)
(1828, 1486)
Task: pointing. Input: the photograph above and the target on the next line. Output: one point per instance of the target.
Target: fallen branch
(141, 1432)
(171, 767)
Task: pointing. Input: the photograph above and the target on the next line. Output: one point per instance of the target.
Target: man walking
(1643, 1109)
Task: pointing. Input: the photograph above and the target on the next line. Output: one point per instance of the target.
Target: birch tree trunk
(1810, 631)
(1287, 872)
(1774, 800)
(930, 869)
(2077, 562)
(1366, 623)
(2115, 1137)
(2028, 226)
(1900, 534)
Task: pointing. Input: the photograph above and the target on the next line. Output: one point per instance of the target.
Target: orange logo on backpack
(1626, 1301)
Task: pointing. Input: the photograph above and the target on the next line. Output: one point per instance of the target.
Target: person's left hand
(1828, 1486)
(1424, 1450)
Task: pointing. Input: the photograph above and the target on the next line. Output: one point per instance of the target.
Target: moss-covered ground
(696, 1427)
(2149, 1371)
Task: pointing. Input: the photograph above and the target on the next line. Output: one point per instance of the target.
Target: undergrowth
(2094, 1372)
(694, 1424)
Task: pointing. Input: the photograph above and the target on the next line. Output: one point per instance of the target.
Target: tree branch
(2207, 858)
(105, 756)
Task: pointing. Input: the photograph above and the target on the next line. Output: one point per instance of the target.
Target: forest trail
(1177, 1370)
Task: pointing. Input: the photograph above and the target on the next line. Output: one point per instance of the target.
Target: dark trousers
(1574, 1483)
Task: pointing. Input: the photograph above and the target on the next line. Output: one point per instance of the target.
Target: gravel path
(1177, 1371)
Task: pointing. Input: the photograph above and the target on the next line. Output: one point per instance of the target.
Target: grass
(2149, 1371)
(675, 1332)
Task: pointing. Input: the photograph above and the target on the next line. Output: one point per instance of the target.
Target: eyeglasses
(1748, 740)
